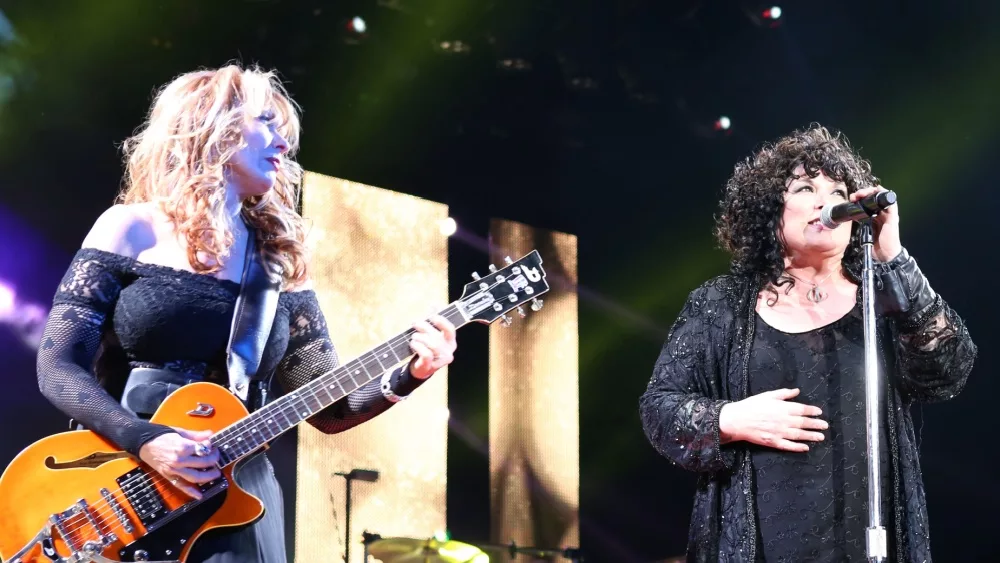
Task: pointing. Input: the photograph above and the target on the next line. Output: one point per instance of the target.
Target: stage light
(353, 31)
(772, 13)
(7, 34)
(443, 414)
(583, 83)
(357, 25)
(456, 46)
(27, 320)
(514, 65)
(448, 226)
(7, 305)
(722, 124)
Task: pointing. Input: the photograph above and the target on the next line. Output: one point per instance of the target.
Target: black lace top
(178, 320)
(813, 506)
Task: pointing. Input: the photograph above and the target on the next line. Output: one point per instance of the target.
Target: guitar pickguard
(166, 541)
(92, 461)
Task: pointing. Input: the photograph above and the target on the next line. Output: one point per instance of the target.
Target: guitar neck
(250, 433)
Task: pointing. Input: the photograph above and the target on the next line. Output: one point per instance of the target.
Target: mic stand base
(876, 542)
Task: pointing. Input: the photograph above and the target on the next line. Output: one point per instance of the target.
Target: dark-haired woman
(759, 387)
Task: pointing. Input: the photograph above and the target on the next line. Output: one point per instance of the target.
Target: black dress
(703, 366)
(179, 320)
(813, 506)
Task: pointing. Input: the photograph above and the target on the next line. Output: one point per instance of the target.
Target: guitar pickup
(142, 496)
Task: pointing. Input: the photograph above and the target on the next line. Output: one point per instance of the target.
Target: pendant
(816, 294)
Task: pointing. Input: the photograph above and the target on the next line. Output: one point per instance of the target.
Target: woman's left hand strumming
(434, 345)
(885, 225)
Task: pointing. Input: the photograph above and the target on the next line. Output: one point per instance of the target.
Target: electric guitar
(75, 497)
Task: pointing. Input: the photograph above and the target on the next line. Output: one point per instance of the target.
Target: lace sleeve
(679, 410)
(934, 349)
(310, 354)
(83, 302)
(935, 352)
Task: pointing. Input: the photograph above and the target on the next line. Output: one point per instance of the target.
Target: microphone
(368, 475)
(833, 215)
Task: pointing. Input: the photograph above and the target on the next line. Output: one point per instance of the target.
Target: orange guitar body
(123, 519)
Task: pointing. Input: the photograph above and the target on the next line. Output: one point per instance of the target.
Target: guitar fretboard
(252, 432)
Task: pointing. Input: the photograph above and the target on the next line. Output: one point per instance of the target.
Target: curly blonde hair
(177, 159)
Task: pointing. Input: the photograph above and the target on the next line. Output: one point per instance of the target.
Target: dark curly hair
(754, 200)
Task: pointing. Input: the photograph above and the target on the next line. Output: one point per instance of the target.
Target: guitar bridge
(117, 509)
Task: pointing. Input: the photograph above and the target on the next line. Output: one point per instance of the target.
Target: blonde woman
(156, 280)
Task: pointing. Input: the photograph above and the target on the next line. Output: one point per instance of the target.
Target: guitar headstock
(492, 296)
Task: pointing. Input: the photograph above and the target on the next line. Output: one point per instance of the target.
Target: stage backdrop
(379, 263)
(534, 402)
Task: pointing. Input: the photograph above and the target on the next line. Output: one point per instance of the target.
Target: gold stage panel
(379, 262)
(534, 402)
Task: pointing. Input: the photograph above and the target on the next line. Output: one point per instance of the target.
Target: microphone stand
(361, 475)
(877, 549)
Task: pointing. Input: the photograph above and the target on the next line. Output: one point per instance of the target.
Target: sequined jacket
(703, 365)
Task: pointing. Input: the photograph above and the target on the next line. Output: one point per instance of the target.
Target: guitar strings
(148, 489)
(142, 487)
(102, 510)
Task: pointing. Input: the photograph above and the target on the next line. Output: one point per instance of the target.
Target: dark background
(607, 133)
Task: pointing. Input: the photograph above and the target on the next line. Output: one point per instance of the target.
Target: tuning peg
(520, 311)
(492, 268)
(475, 276)
(507, 260)
(536, 304)
(505, 320)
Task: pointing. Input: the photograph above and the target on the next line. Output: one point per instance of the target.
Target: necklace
(816, 294)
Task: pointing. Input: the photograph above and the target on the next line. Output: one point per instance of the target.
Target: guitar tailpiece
(98, 558)
(91, 552)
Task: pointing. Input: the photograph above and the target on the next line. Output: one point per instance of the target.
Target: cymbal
(413, 550)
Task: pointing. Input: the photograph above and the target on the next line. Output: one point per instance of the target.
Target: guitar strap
(253, 316)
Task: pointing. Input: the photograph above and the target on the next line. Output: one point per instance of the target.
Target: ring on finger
(201, 450)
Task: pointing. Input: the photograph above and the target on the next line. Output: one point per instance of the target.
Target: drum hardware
(415, 550)
(435, 550)
(574, 554)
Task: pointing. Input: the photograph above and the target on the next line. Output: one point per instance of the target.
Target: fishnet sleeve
(310, 354)
(82, 304)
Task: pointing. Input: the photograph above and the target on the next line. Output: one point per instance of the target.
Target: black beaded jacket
(703, 365)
